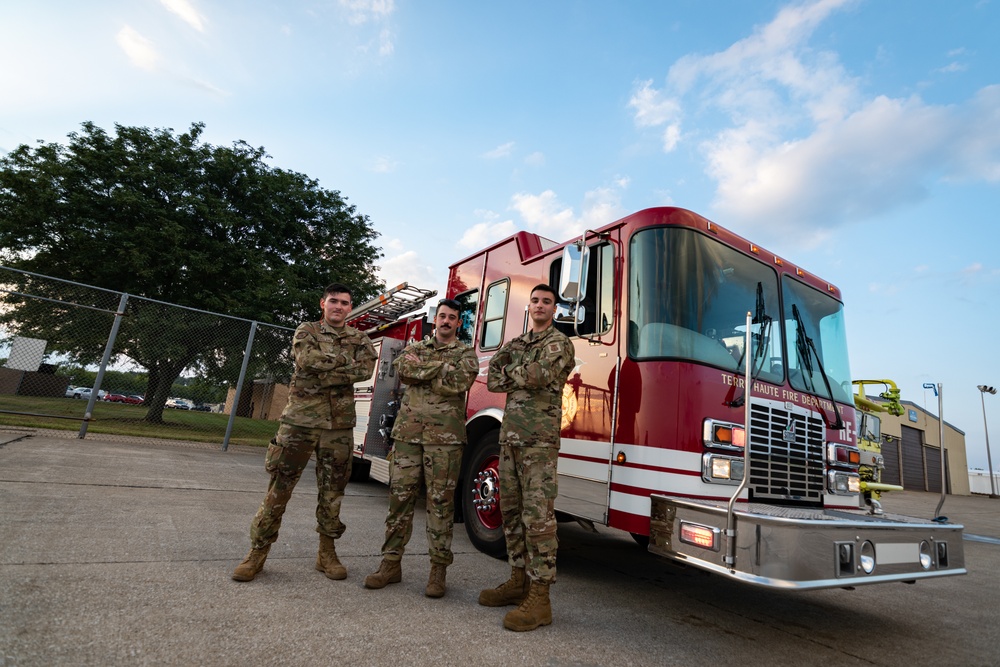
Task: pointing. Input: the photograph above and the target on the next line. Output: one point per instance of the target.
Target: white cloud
(870, 163)
(483, 234)
(652, 110)
(383, 165)
(799, 148)
(601, 206)
(545, 215)
(186, 12)
(503, 150)
(952, 67)
(363, 11)
(975, 132)
(378, 13)
(409, 267)
(140, 51)
(536, 159)
(386, 46)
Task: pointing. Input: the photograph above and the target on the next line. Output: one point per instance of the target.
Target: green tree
(165, 216)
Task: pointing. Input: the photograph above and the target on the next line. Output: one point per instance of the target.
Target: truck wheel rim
(486, 494)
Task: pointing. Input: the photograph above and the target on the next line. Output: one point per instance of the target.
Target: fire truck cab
(710, 412)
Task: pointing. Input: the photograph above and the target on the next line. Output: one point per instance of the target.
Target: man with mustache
(428, 439)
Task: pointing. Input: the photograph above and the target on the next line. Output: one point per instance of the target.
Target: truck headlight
(721, 469)
(843, 483)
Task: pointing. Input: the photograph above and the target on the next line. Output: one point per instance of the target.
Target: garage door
(932, 459)
(912, 447)
(890, 452)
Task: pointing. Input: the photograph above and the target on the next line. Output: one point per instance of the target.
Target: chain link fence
(85, 359)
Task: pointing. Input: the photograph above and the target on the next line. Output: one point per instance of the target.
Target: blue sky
(857, 138)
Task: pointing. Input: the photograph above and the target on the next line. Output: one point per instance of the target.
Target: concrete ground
(120, 554)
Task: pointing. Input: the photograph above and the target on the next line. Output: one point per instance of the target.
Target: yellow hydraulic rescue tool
(870, 439)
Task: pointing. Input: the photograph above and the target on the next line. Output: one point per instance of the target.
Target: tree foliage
(165, 216)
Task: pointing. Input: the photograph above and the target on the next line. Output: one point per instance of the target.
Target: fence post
(96, 392)
(239, 386)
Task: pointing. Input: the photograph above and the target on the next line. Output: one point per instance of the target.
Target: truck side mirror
(567, 313)
(573, 274)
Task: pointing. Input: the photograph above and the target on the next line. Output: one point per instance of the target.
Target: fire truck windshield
(821, 320)
(689, 296)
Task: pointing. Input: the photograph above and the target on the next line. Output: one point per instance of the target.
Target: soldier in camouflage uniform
(319, 417)
(532, 369)
(428, 437)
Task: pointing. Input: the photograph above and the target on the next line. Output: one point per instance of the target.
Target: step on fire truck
(710, 411)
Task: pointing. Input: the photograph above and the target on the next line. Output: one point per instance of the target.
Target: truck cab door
(589, 393)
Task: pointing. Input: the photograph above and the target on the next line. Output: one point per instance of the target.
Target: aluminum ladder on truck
(388, 307)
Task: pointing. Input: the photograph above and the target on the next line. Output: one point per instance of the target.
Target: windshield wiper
(762, 319)
(806, 348)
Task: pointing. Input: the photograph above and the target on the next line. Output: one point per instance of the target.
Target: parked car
(85, 392)
(135, 399)
(123, 398)
(201, 407)
(178, 404)
(71, 392)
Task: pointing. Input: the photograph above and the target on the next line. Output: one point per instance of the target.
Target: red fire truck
(686, 333)
(673, 318)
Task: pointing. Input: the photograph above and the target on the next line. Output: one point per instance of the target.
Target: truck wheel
(481, 496)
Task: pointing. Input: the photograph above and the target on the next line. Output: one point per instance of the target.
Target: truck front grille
(786, 454)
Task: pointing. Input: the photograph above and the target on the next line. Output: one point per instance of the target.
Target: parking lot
(121, 553)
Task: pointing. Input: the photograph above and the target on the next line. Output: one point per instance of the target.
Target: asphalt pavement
(119, 553)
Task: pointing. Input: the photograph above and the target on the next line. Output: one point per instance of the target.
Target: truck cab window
(470, 308)
(493, 317)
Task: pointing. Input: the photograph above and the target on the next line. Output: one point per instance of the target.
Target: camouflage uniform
(319, 416)
(428, 437)
(532, 369)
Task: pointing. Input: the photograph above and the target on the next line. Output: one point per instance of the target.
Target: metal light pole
(939, 392)
(983, 390)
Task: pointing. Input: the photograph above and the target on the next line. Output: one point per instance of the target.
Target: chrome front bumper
(803, 549)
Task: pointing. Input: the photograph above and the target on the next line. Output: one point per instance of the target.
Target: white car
(85, 392)
(178, 404)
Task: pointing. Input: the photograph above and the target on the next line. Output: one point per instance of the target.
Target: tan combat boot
(251, 565)
(388, 572)
(533, 612)
(327, 561)
(512, 591)
(435, 583)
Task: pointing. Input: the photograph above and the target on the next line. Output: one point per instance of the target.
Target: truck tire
(481, 496)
